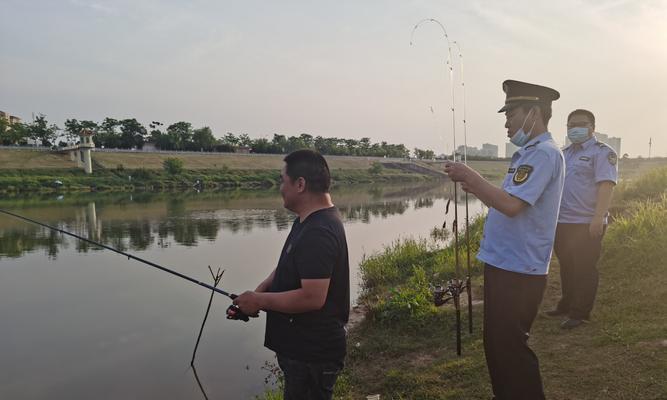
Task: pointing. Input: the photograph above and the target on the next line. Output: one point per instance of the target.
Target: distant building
(243, 150)
(149, 146)
(613, 142)
(487, 150)
(510, 149)
(12, 119)
(490, 150)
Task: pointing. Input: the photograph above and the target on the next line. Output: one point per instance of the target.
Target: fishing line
(465, 161)
(237, 311)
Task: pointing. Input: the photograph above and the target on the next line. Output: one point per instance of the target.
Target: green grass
(621, 354)
(650, 186)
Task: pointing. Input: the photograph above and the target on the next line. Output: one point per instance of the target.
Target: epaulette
(532, 146)
(601, 144)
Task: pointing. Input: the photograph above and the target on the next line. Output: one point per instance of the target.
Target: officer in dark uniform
(591, 174)
(518, 238)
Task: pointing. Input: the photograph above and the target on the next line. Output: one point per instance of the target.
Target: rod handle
(234, 312)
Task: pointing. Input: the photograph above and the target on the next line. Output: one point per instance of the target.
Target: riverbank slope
(405, 348)
(24, 170)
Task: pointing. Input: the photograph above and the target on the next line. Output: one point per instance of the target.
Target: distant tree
(5, 132)
(18, 133)
(73, 128)
(173, 166)
(230, 139)
(180, 135)
(365, 146)
(203, 139)
(159, 138)
(132, 134)
(244, 140)
(307, 140)
(261, 145)
(280, 144)
(424, 154)
(41, 131)
(108, 135)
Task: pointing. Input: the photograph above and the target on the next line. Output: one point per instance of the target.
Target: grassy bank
(25, 171)
(405, 348)
(44, 180)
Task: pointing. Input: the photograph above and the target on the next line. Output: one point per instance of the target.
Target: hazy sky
(336, 68)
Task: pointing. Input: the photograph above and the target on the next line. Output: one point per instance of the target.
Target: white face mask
(520, 138)
(577, 135)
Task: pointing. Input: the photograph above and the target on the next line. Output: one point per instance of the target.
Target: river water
(79, 322)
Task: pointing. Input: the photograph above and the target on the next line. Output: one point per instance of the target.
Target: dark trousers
(578, 254)
(308, 380)
(511, 301)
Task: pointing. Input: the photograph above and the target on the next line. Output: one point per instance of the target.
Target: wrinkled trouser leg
(511, 301)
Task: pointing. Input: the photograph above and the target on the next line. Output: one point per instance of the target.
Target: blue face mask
(520, 138)
(578, 135)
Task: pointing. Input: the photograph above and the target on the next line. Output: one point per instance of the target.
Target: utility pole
(650, 143)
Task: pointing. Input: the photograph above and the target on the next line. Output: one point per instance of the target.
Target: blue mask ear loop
(530, 132)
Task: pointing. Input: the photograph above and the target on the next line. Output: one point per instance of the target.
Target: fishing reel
(234, 312)
(451, 291)
(439, 292)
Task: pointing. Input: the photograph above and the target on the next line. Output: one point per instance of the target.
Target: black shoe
(571, 323)
(555, 313)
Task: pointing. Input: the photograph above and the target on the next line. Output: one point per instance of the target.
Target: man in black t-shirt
(307, 296)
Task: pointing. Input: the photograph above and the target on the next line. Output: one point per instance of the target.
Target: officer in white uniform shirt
(591, 174)
(518, 238)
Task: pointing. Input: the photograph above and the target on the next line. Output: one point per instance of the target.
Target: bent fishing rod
(236, 311)
(455, 286)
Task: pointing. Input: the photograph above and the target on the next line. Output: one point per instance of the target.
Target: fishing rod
(455, 286)
(465, 161)
(236, 312)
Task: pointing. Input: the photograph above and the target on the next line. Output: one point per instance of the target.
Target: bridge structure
(80, 153)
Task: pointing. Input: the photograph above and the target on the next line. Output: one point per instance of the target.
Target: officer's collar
(534, 141)
(584, 145)
(589, 142)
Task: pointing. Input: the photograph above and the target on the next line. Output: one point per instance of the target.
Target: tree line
(182, 136)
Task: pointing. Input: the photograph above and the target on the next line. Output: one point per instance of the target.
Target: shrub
(410, 303)
(173, 166)
(141, 174)
(375, 168)
(394, 264)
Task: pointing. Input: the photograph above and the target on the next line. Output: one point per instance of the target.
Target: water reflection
(77, 319)
(132, 222)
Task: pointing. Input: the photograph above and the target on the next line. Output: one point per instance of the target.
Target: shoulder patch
(522, 174)
(612, 158)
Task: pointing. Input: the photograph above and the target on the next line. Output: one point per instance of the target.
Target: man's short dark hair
(312, 167)
(580, 111)
(544, 107)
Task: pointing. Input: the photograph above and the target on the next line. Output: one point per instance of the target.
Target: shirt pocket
(583, 168)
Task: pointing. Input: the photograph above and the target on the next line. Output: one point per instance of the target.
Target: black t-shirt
(314, 249)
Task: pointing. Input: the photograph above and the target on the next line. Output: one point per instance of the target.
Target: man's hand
(596, 227)
(459, 172)
(248, 302)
